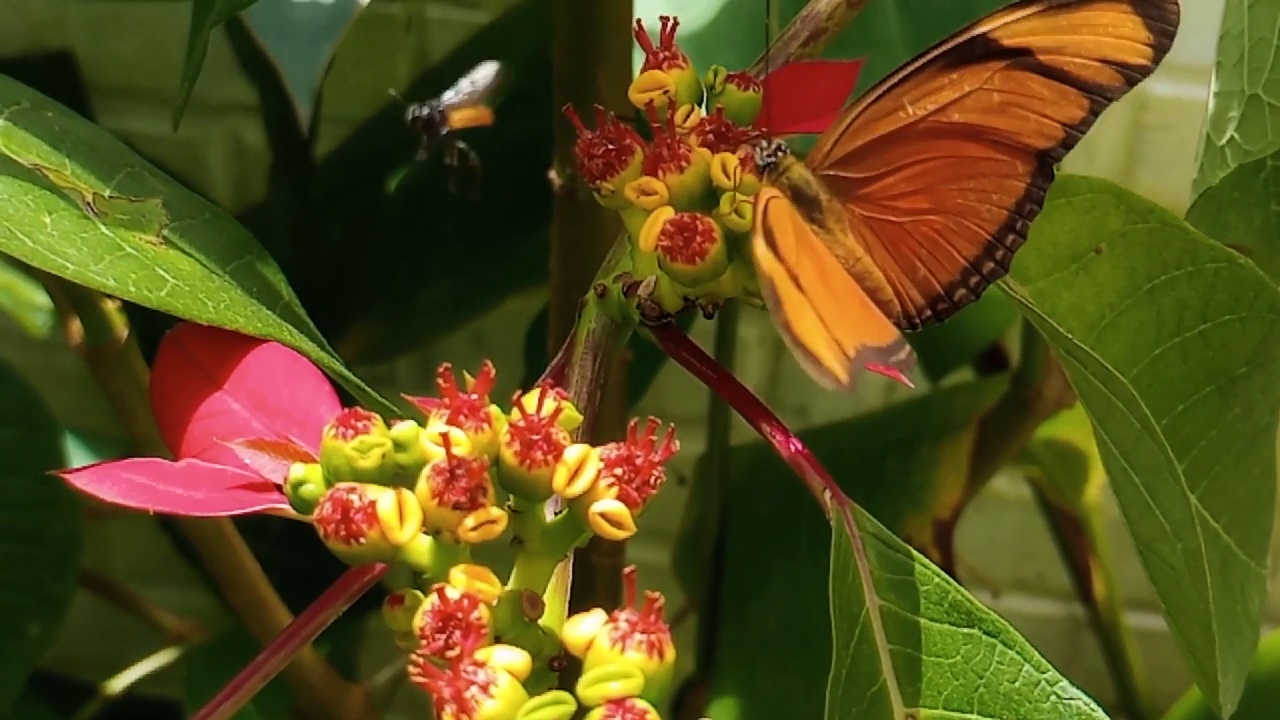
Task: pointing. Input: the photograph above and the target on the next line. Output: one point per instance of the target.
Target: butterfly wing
(832, 327)
(943, 165)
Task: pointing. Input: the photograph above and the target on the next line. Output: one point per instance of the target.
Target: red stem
(319, 615)
(681, 348)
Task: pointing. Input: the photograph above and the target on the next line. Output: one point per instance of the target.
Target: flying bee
(464, 105)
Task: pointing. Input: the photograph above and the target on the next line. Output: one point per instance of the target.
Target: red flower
(209, 389)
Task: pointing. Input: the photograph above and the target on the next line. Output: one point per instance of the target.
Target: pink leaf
(192, 488)
(210, 385)
(806, 96)
(270, 458)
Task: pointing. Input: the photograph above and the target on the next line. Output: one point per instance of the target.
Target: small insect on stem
(466, 104)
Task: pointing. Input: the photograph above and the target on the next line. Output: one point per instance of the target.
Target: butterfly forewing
(828, 321)
(942, 166)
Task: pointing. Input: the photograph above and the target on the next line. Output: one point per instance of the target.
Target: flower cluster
(377, 490)
(255, 427)
(687, 195)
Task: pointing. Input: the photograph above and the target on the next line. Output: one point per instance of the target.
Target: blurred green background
(128, 56)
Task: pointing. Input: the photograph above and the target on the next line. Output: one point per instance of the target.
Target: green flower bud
(363, 523)
(603, 683)
(400, 608)
(547, 399)
(740, 94)
(736, 214)
(355, 446)
(690, 246)
(550, 705)
(304, 486)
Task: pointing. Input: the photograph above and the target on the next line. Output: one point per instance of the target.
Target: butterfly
(915, 200)
(466, 104)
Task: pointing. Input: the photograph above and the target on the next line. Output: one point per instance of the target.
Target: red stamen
(456, 690)
(346, 515)
(352, 422)
(467, 410)
(625, 709)
(687, 238)
(642, 628)
(453, 624)
(459, 482)
(604, 153)
(538, 441)
(634, 466)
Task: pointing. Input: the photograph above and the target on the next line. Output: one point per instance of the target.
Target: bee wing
(474, 88)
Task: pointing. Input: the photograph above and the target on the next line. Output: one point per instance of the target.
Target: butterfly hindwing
(827, 320)
(942, 166)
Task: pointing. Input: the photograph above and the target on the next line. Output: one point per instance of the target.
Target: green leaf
(912, 643)
(1244, 110)
(1064, 466)
(300, 36)
(1261, 690)
(24, 299)
(39, 531)
(206, 16)
(906, 464)
(1171, 342)
(83, 206)
(1240, 211)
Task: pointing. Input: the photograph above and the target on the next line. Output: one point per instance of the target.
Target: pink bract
(806, 96)
(235, 411)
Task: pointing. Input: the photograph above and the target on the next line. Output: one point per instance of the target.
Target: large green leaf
(911, 643)
(1240, 211)
(83, 206)
(39, 531)
(1244, 111)
(1261, 691)
(1172, 343)
(906, 465)
(206, 16)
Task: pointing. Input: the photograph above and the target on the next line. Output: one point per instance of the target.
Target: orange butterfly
(914, 202)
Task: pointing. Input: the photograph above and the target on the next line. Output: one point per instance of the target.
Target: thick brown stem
(591, 64)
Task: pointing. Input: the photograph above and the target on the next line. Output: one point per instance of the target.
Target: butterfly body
(916, 199)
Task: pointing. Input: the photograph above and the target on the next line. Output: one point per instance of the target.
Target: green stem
(1038, 390)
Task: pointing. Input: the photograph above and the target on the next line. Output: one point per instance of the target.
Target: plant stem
(815, 478)
(1078, 535)
(591, 64)
(98, 329)
(1037, 391)
(807, 34)
(291, 642)
(176, 630)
